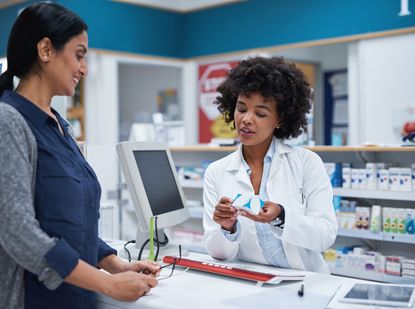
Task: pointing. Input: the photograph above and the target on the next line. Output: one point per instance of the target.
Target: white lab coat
(298, 181)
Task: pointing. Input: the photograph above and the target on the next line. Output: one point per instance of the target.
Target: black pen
(301, 291)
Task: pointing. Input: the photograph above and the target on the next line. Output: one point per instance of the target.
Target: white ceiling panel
(179, 5)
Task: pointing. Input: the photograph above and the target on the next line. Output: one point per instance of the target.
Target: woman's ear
(44, 49)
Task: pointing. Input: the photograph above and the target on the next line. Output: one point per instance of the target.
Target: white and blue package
(248, 202)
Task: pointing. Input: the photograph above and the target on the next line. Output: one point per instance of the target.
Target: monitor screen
(158, 181)
(153, 184)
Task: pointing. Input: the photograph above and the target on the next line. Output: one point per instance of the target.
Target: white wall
(101, 124)
(381, 83)
(190, 108)
(329, 57)
(139, 85)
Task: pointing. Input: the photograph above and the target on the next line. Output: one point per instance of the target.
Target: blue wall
(235, 27)
(264, 23)
(116, 26)
(129, 28)
(7, 17)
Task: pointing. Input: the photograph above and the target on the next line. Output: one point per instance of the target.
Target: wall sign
(211, 123)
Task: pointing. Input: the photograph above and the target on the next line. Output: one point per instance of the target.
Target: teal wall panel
(264, 23)
(235, 27)
(7, 17)
(129, 28)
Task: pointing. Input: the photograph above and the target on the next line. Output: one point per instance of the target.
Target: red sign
(211, 123)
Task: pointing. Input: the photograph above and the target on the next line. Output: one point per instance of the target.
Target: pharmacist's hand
(144, 267)
(129, 286)
(268, 213)
(225, 215)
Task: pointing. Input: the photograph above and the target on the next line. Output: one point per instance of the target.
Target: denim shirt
(67, 197)
(271, 246)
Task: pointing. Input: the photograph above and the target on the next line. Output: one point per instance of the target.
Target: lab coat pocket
(298, 201)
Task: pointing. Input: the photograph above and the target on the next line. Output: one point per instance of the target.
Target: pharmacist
(267, 100)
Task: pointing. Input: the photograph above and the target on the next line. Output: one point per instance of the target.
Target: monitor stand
(164, 250)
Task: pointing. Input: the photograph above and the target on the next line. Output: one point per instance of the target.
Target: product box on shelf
(371, 176)
(347, 177)
(347, 214)
(383, 179)
(408, 267)
(355, 178)
(376, 219)
(393, 265)
(413, 176)
(362, 217)
(405, 179)
(362, 178)
(410, 221)
(394, 178)
(401, 220)
(387, 219)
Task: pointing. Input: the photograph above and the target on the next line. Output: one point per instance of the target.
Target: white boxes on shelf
(405, 179)
(347, 177)
(383, 179)
(371, 176)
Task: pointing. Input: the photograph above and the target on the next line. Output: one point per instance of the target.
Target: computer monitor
(153, 185)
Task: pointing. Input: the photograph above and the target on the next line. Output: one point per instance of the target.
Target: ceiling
(179, 5)
(182, 6)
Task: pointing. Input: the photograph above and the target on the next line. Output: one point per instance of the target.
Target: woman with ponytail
(50, 251)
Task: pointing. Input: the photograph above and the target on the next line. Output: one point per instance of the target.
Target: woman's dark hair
(38, 21)
(273, 78)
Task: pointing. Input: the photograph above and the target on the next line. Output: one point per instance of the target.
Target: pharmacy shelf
(371, 275)
(206, 147)
(357, 193)
(408, 239)
(360, 234)
(375, 194)
(191, 184)
(354, 233)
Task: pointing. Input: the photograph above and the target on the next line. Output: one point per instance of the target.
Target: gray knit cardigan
(23, 244)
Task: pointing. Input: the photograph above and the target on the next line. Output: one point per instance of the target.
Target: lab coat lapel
(236, 166)
(278, 158)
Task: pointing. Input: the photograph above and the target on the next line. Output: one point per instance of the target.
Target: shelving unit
(375, 194)
(394, 243)
(371, 275)
(388, 243)
(398, 238)
(192, 184)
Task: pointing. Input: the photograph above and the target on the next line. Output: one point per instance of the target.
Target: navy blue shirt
(67, 195)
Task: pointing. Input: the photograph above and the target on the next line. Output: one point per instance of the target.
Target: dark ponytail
(6, 81)
(37, 21)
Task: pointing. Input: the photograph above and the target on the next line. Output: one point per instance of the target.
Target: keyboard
(235, 272)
